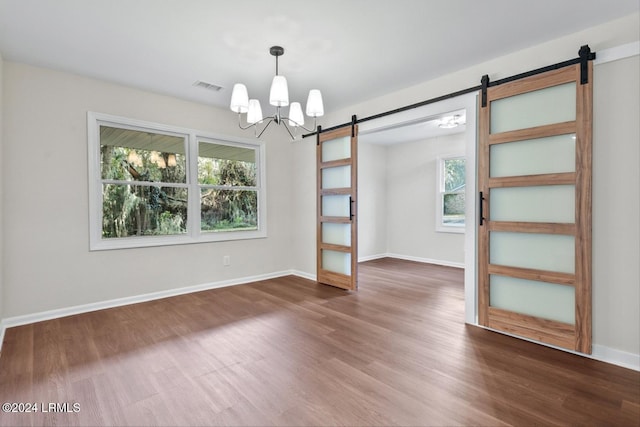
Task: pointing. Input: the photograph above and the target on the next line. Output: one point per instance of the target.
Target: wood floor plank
(290, 352)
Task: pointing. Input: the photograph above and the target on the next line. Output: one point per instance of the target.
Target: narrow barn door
(337, 230)
(534, 166)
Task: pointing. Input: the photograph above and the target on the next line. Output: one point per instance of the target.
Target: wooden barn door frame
(343, 247)
(575, 336)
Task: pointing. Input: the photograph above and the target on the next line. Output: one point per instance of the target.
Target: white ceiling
(352, 50)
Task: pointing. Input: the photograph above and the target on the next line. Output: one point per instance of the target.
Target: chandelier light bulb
(296, 118)
(239, 99)
(279, 95)
(254, 113)
(314, 104)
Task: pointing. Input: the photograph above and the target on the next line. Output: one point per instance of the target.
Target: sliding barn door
(337, 230)
(534, 166)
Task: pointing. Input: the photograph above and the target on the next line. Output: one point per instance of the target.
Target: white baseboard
(427, 260)
(118, 302)
(615, 357)
(372, 257)
(388, 255)
(304, 275)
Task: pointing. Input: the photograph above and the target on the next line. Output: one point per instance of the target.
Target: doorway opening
(402, 172)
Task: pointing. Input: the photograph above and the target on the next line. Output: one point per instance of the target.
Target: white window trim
(193, 234)
(440, 227)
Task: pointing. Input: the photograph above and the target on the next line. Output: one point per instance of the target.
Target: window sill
(451, 229)
(150, 241)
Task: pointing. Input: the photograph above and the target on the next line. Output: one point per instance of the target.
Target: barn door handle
(481, 213)
(351, 201)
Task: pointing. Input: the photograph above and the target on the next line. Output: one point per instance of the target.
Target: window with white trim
(450, 197)
(152, 184)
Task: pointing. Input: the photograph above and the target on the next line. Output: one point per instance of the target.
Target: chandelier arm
(249, 126)
(271, 119)
(288, 130)
(313, 129)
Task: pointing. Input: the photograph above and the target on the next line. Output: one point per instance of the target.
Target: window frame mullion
(193, 208)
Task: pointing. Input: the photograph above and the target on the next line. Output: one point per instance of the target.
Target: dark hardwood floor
(289, 352)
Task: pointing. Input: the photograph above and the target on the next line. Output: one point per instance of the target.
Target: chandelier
(279, 98)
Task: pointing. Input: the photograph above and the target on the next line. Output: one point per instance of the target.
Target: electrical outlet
(226, 260)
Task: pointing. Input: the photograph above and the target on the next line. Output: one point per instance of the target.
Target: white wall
(616, 205)
(47, 263)
(372, 201)
(615, 261)
(2, 168)
(411, 193)
(303, 196)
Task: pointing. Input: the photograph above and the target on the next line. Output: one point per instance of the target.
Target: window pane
(554, 104)
(338, 262)
(336, 234)
(336, 206)
(138, 210)
(336, 149)
(454, 174)
(226, 165)
(131, 155)
(541, 299)
(551, 252)
(228, 210)
(453, 209)
(336, 177)
(545, 203)
(552, 154)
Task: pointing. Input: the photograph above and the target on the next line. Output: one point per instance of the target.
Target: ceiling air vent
(206, 85)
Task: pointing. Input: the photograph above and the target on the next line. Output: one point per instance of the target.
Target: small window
(228, 187)
(450, 213)
(153, 185)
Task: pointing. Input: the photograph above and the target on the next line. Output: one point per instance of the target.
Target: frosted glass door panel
(554, 154)
(551, 252)
(547, 203)
(336, 149)
(554, 104)
(338, 262)
(540, 299)
(335, 206)
(338, 177)
(336, 234)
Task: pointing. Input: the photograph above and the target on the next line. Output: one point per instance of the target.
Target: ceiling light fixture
(451, 122)
(279, 97)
